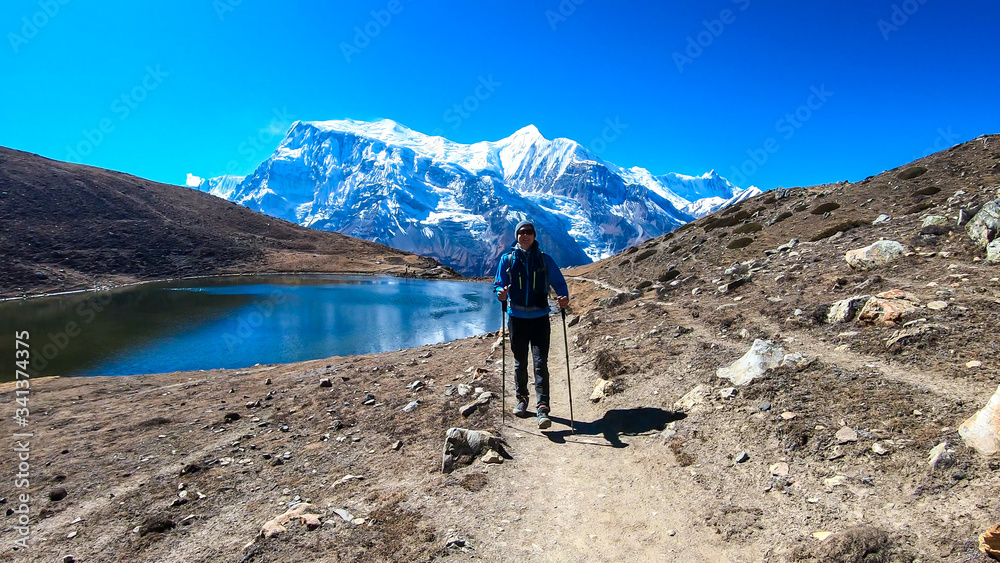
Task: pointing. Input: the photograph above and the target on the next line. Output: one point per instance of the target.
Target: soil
(752, 473)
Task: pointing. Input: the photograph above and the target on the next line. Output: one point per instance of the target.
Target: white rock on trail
(693, 398)
(981, 431)
(845, 309)
(762, 356)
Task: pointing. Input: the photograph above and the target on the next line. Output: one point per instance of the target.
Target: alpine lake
(240, 321)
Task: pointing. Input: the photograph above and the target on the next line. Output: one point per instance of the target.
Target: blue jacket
(528, 287)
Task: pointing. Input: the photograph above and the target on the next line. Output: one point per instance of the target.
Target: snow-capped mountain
(459, 203)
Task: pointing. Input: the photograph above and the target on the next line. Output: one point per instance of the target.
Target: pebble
(779, 469)
(397, 445)
(411, 406)
(879, 449)
(973, 364)
(741, 457)
(787, 415)
(57, 494)
(368, 400)
(325, 382)
(69, 559)
(671, 533)
(937, 305)
(267, 381)
(71, 535)
(727, 392)
(764, 407)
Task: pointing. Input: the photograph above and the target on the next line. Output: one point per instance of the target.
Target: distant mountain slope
(66, 226)
(458, 203)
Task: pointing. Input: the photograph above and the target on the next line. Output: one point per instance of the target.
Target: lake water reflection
(236, 322)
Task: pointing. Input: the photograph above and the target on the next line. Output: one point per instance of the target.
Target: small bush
(825, 208)
(739, 243)
(839, 227)
(608, 365)
(911, 173)
(748, 228)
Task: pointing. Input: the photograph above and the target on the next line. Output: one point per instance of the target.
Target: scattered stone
(879, 448)
(845, 309)
(156, 525)
(573, 321)
(302, 511)
(779, 469)
(344, 514)
(989, 542)
(267, 381)
(231, 416)
(69, 559)
(671, 533)
(492, 456)
(846, 434)
(71, 535)
(604, 388)
(458, 543)
(741, 457)
(693, 398)
(484, 397)
(345, 479)
(397, 445)
(416, 385)
(835, 481)
(973, 364)
(764, 407)
(981, 431)
(727, 392)
(727, 287)
(464, 389)
(325, 382)
(822, 535)
(874, 255)
(368, 400)
(941, 457)
(57, 494)
(762, 356)
(934, 220)
(788, 245)
(787, 415)
(411, 406)
(881, 219)
(460, 441)
(937, 305)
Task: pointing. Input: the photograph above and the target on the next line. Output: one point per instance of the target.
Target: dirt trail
(610, 492)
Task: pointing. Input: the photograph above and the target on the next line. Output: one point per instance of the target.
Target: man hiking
(523, 279)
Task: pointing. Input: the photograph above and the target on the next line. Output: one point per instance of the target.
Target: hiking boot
(543, 417)
(521, 408)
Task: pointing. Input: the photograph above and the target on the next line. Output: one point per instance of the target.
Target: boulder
(989, 542)
(844, 310)
(934, 220)
(460, 441)
(888, 307)
(483, 398)
(981, 431)
(874, 255)
(762, 356)
(993, 251)
(985, 225)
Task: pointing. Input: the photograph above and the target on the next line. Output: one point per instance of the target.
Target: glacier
(458, 203)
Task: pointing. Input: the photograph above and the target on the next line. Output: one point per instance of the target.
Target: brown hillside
(66, 226)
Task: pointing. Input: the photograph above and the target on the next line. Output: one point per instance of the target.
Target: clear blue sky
(209, 87)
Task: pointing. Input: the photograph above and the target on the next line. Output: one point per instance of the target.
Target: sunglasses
(525, 232)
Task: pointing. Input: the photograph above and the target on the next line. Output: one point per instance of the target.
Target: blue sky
(766, 93)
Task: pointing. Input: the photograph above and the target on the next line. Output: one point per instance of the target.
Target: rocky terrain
(66, 226)
(846, 449)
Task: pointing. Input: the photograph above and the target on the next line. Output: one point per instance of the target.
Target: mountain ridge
(458, 202)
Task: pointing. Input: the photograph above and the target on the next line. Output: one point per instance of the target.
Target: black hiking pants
(533, 333)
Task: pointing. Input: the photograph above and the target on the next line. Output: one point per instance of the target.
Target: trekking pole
(503, 368)
(569, 383)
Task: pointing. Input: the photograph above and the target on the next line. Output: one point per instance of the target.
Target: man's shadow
(618, 422)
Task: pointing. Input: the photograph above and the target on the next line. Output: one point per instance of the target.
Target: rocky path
(596, 495)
